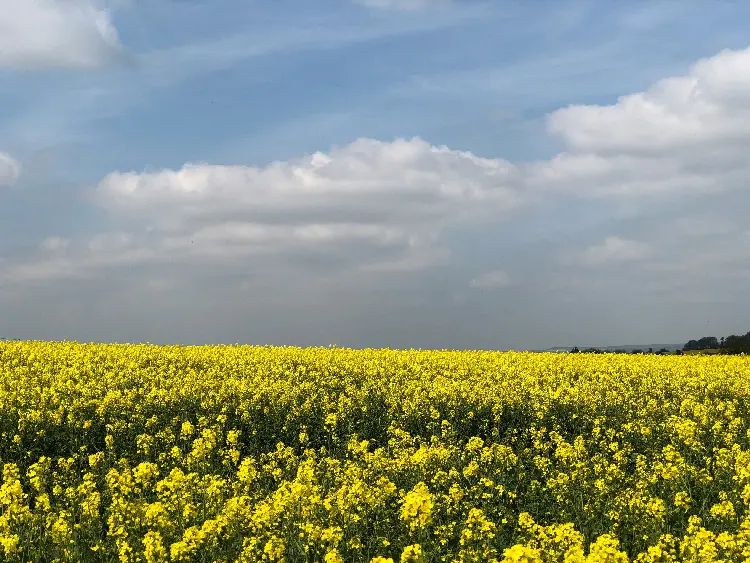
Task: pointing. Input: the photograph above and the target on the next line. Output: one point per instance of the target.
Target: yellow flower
(606, 550)
(95, 459)
(682, 500)
(9, 544)
(274, 549)
(723, 510)
(154, 548)
(521, 554)
(412, 554)
(416, 509)
(333, 556)
(187, 429)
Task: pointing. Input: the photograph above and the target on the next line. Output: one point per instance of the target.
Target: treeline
(731, 344)
(622, 351)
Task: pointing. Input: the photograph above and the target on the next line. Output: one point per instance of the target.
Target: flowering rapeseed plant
(139, 453)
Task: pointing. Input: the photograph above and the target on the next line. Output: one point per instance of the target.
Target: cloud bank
(378, 205)
(342, 220)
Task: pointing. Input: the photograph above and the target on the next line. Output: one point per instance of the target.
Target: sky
(450, 174)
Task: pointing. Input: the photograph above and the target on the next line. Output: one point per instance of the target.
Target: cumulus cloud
(55, 34)
(378, 206)
(686, 134)
(10, 170)
(372, 179)
(705, 106)
(491, 280)
(615, 250)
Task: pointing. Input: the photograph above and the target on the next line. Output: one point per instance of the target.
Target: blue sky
(574, 229)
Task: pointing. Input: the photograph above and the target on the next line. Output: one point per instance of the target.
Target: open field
(145, 453)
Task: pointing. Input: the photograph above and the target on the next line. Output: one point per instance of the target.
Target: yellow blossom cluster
(141, 453)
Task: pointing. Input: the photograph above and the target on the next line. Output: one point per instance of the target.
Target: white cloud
(366, 177)
(684, 135)
(625, 176)
(10, 170)
(377, 206)
(709, 106)
(491, 280)
(55, 33)
(615, 250)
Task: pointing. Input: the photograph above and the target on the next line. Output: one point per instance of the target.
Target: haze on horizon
(413, 173)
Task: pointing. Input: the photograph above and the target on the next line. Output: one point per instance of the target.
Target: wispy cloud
(10, 170)
(402, 5)
(63, 115)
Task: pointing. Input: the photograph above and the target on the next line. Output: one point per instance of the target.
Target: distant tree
(575, 350)
(705, 343)
(637, 351)
(621, 351)
(662, 351)
(650, 350)
(734, 344)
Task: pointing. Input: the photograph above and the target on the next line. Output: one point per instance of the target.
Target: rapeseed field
(139, 453)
